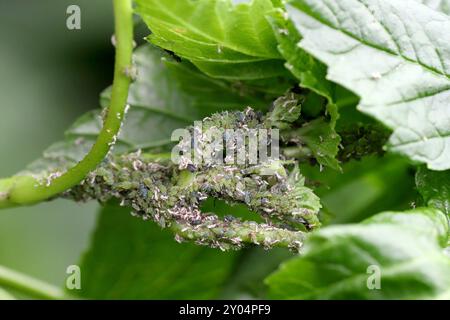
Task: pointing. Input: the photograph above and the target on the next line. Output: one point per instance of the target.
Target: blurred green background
(49, 76)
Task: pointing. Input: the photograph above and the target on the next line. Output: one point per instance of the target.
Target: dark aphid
(284, 187)
(191, 168)
(259, 116)
(206, 187)
(240, 116)
(143, 191)
(229, 218)
(247, 197)
(196, 194)
(196, 222)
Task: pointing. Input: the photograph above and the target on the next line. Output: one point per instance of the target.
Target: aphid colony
(172, 198)
(171, 194)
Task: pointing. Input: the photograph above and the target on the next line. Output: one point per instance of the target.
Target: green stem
(32, 287)
(22, 190)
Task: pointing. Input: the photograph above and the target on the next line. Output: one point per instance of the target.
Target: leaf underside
(395, 56)
(222, 39)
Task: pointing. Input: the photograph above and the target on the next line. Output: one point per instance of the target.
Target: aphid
(113, 141)
(229, 218)
(134, 214)
(247, 197)
(79, 141)
(268, 210)
(52, 176)
(131, 72)
(191, 168)
(143, 191)
(179, 238)
(236, 241)
(240, 116)
(137, 164)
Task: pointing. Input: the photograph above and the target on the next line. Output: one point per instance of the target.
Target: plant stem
(25, 284)
(22, 190)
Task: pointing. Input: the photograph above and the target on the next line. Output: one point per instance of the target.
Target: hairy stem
(227, 235)
(22, 190)
(25, 284)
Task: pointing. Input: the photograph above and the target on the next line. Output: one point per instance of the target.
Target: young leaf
(434, 188)
(222, 39)
(133, 259)
(323, 142)
(312, 75)
(394, 255)
(395, 55)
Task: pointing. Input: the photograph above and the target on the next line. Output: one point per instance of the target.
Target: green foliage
(364, 188)
(434, 188)
(253, 266)
(129, 259)
(310, 71)
(403, 246)
(323, 142)
(346, 83)
(400, 73)
(222, 39)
